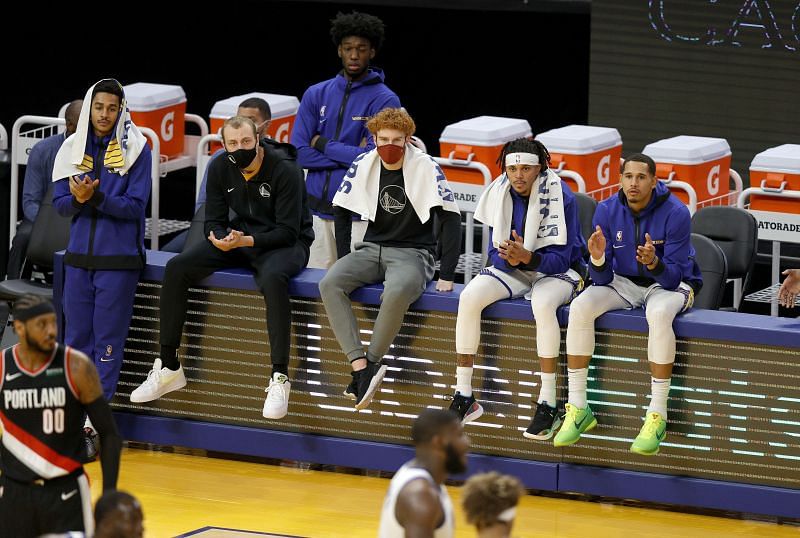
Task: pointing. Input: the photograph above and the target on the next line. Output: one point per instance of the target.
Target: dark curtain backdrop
(446, 65)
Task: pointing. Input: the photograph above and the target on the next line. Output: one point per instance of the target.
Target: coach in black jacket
(271, 231)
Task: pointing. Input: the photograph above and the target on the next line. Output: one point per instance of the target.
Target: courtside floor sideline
(190, 493)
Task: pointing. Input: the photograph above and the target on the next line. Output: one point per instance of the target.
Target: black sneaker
(367, 382)
(544, 424)
(90, 443)
(352, 388)
(466, 407)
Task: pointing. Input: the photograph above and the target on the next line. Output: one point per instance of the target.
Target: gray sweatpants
(405, 273)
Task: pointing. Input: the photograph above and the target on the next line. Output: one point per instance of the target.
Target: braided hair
(525, 145)
(357, 24)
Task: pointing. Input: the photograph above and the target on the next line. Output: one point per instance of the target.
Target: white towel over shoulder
(425, 185)
(122, 152)
(544, 223)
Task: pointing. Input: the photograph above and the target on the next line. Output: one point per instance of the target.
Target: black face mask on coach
(242, 157)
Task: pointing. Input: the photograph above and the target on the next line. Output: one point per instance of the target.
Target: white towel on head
(425, 185)
(544, 223)
(122, 151)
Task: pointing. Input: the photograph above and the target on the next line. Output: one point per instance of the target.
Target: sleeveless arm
(419, 510)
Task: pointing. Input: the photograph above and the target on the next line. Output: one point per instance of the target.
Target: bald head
(71, 115)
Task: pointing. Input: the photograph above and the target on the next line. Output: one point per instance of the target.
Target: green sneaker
(650, 436)
(576, 422)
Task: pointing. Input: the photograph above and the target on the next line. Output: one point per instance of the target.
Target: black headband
(24, 314)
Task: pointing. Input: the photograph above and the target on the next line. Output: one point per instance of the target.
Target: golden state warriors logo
(263, 190)
(392, 199)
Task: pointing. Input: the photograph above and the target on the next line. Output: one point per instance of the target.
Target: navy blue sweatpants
(98, 306)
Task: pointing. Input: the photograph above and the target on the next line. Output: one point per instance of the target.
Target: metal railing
(743, 203)
(469, 246)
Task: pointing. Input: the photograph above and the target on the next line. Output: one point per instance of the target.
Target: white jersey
(390, 527)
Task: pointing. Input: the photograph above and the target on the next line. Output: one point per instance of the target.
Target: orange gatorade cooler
(283, 108)
(592, 152)
(477, 140)
(702, 162)
(162, 108)
(777, 168)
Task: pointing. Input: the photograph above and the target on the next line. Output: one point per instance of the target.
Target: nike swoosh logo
(12, 377)
(105, 360)
(618, 246)
(578, 424)
(229, 190)
(65, 496)
(661, 437)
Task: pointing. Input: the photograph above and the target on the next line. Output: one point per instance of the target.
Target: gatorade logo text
(713, 180)
(282, 134)
(167, 126)
(603, 170)
(779, 226)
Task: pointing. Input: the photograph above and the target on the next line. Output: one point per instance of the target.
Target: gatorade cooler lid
(280, 105)
(785, 159)
(485, 131)
(579, 139)
(145, 96)
(686, 149)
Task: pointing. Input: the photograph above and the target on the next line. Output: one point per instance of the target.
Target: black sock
(281, 369)
(169, 358)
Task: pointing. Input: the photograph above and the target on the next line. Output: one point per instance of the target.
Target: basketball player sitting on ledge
(536, 252)
(641, 257)
(398, 189)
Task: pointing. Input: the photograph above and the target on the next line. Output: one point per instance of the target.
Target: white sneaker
(159, 382)
(277, 403)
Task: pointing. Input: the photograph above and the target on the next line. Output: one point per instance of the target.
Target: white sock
(548, 390)
(659, 390)
(577, 386)
(464, 380)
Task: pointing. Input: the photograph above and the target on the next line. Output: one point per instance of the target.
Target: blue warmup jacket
(668, 222)
(338, 111)
(107, 231)
(39, 174)
(553, 259)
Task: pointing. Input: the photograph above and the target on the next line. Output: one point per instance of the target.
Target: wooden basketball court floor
(186, 494)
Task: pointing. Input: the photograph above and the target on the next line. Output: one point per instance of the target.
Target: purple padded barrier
(730, 326)
(313, 448)
(679, 490)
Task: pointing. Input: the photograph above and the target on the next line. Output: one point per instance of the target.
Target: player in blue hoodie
(641, 257)
(106, 198)
(536, 252)
(330, 129)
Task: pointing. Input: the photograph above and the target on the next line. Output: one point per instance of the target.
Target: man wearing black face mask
(271, 233)
(417, 504)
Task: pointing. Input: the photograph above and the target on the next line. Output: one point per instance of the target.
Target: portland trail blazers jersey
(42, 418)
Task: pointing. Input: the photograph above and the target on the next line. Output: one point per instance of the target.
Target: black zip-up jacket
(272, 206)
